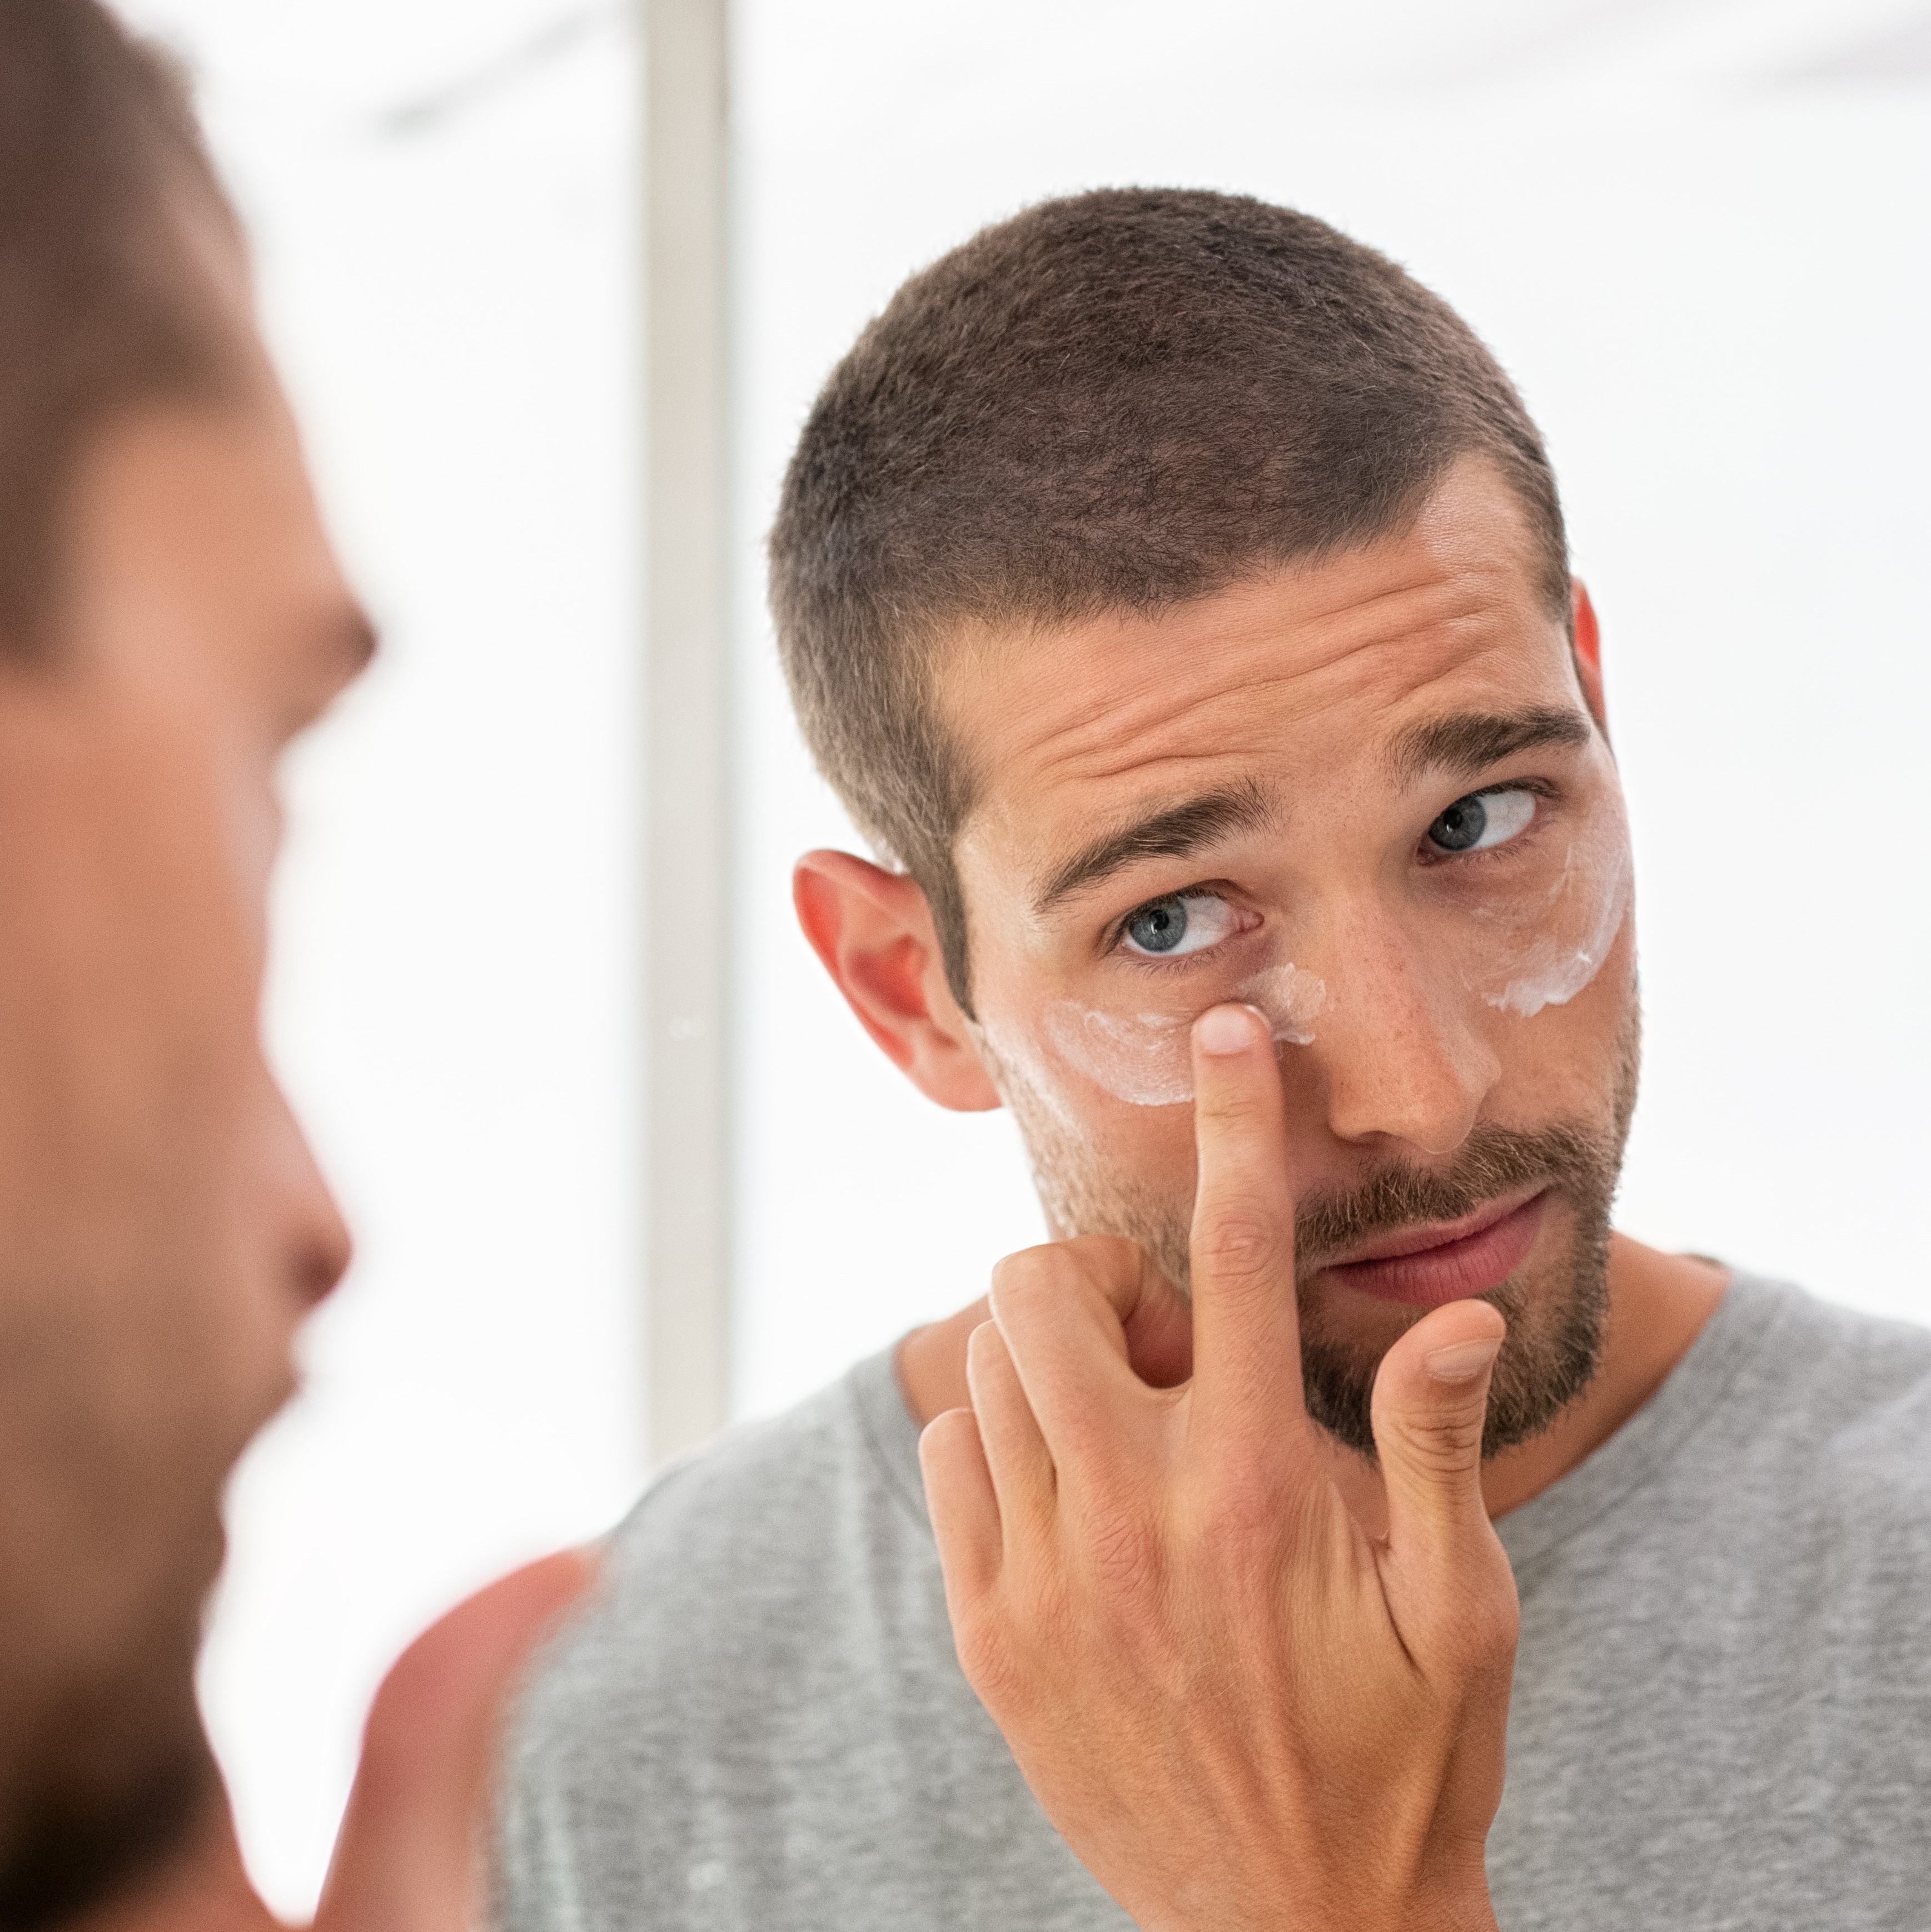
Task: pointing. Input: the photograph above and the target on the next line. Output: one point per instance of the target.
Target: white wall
(1699, 235)
(452, 1001)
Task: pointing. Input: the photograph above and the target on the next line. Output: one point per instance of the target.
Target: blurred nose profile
(313, 1239)
(1397, 1049)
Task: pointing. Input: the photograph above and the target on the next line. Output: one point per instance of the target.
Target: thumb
(1431, 1402)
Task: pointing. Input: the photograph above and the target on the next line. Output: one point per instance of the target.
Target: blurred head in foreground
(170, 615)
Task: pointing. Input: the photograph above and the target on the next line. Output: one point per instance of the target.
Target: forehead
(1300, 680)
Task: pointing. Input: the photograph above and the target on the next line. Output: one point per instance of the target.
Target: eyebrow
(1175, 832)
(1470, 742)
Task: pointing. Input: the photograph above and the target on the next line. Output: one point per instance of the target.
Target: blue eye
(1483, 820)
(1185, 922)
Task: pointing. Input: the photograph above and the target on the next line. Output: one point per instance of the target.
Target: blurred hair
(101, 308)
(1113, 402)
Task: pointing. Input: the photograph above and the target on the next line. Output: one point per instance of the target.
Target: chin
(1556, 1305)
(115, 1786)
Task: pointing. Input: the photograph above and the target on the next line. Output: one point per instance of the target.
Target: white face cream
(1518, 912)
(1556, 966)
(1147, 1059)
(1540, 944)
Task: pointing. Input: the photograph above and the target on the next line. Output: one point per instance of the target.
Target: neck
(1658, 1304)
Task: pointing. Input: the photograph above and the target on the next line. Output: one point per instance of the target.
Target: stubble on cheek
(1084, 1181)
(1556, 1309)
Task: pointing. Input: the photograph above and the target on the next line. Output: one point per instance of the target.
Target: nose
(1399, 1053)
(317, 1245)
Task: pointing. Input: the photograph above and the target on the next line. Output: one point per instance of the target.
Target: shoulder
(1843, 1376)
(405, 1852)
(794, 1490)
(1841, 1400)
(743, 1559)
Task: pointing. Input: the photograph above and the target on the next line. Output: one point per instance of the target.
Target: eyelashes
(1175, 926)
(1180, 925)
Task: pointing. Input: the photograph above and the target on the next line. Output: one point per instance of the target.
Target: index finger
(1246, 1325)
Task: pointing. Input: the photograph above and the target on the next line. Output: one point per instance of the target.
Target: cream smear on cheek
(1147, 1059)
(1586, 907)
(1519, 961)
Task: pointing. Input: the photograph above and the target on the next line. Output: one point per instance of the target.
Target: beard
(106, 1775)
(1555, 1315)
(1556, 1311)
(120, 1779)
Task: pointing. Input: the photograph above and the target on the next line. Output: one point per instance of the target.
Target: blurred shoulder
(405, 1851)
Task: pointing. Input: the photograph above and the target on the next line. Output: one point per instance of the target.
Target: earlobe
(1588, 651)
(873, 931)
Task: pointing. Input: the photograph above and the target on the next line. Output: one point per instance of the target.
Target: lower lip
(1455, 1270)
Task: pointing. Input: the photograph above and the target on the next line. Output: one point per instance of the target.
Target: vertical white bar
(686, 935)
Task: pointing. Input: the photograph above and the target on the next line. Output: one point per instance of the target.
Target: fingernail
(1461, 1361)
(1224, 1030)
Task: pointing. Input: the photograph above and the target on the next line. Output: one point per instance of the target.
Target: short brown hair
(1116, 401)
(100, 309)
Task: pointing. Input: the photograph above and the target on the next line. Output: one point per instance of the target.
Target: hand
(1239, 1710)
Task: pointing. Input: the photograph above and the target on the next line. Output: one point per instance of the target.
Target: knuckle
(1478, 1640)
(1243, 1513)
(1495, 1628)
(1241, 1242)
(1230, 1112)
(1032, 1275)
(1103, 1268)
(1107, 1262)
(987, 1657)
(1018, 1271)
(1104, 1254)
(1442, 1443)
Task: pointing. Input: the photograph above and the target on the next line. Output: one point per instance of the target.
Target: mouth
(1447, 1261)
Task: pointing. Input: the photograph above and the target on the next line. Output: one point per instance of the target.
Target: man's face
(1369, 797)
(163, 1229)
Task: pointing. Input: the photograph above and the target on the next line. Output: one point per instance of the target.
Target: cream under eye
(1171, 928)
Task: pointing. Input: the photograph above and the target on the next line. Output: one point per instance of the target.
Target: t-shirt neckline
(1742, 1321)
(1650, 1442)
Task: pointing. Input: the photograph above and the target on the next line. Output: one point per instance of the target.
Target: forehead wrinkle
(992, 660)
(1144, 730)
(1097, 704)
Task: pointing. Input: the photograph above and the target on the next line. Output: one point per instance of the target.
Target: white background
(453, 999)
(1699, 235)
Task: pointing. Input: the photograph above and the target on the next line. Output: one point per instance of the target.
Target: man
(170, 617)
(1178, 596)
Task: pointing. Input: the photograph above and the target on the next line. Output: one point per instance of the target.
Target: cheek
(1146, 1059)
(1573, 1061)
(1558, 958)
(1089, 1145)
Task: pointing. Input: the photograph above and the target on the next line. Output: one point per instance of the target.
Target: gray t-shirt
(1721, 1714)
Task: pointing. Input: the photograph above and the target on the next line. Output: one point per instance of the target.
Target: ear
(873, 931)
(1588, 653)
